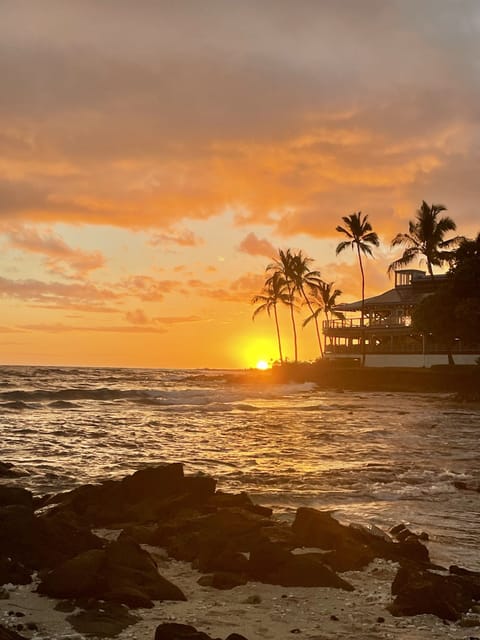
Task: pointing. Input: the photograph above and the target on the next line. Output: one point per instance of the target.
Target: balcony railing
(356, 323)
(456, 348)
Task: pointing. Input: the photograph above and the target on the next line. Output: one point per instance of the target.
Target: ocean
(372, 458)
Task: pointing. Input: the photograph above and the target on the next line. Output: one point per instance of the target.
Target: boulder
(420, 591)
(213, 559)
(223, 580)
(9, 634)
(39, 543)
(190, 535)
(354, 545)
(176, 631)
(222, 500)
(147, 495)
(471, 578)
(107, 620)
(8, 470)
(122, 572)
(15, 495)
(272, 564)
(81, 576)
(13, 572)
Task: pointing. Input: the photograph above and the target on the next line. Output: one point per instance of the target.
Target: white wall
(414, 360)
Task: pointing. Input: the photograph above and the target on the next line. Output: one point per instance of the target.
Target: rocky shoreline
(104, 555)
(463, 382)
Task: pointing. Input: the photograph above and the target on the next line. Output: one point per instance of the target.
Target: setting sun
(263, 365)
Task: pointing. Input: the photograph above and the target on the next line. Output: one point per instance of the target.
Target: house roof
(397, 297)
(400, 296)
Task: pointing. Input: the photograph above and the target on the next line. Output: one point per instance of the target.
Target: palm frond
(343, 245)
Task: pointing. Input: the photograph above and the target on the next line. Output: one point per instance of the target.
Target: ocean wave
(213, 398)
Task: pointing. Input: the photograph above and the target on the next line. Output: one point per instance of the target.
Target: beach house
(386, 336)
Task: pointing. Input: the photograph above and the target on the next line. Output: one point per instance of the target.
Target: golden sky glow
(154, 155)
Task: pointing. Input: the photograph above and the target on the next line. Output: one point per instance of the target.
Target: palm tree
(425, 238)
(283, 265)
(273, 293)
(324, 296)
(302, 276)
(360, 236)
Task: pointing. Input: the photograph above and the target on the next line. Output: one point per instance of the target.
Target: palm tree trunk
(362, 320)
(324, 333)
(451, 361)
(278, 333)
(315, 319)
(430, 270)
(292, 317)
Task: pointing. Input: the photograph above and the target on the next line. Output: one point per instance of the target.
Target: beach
(280, 613)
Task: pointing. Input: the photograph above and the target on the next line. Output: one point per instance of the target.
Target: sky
(154, 156)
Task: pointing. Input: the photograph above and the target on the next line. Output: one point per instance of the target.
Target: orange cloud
(58, 327)
(184, 238)
(255, 246)
(57, 293)
(60, 258)
(146, 288)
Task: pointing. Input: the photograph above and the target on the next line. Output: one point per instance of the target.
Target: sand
(257, 611)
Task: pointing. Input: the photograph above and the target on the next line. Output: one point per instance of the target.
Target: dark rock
(419, 591)
(13, 571)
(221, 500)
(38, 543)
(223, 580)
(122, 572)
(348, 557)
(354, 546)
(8, 470)
(146, 496)
(130, 567)
(141, 533)
(397, 528)
(471, 578)
(107, 620)
(190, 535)
(272, 564)
(176, 631)
(464, 486)
(15, 495)
(315, 528)
(412, 549)
(9, 634)
(80, 576)
(211, 558)
(65, 606)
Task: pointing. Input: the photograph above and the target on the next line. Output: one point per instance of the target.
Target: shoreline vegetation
(450, 312)
(461, 380)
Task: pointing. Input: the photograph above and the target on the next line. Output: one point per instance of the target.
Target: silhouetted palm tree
(324, 297)
(284, 266)
(360, 236)
(273, 293)
(303, 276)
(426, 237)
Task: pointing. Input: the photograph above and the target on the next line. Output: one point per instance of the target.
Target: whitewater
(372, 458)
